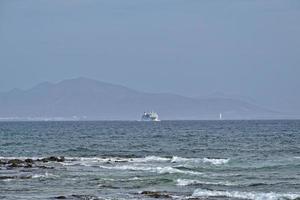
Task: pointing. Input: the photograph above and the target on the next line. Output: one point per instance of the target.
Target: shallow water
(182, 159)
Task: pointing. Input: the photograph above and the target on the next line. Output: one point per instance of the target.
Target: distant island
(87, 99)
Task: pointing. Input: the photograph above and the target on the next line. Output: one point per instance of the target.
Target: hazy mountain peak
(43, 86)
(81, 80)
(87, 82)
(99, 100)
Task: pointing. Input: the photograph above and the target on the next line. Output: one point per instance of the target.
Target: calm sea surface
(257, 160)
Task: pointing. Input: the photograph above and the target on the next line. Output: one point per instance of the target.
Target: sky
(249, 48)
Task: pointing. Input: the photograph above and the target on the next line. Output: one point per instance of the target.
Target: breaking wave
(244, 195)
(159, 170)
(186, 182)
(215, 161)
(174, 159)
(46, 175)
(152, 158)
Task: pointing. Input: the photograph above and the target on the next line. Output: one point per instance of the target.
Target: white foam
(151, 159)
(186, 182)
(159, 170)
(134, 179)
(216, 161)
(7, 180)
(46, 175)
(128, 167)
(175, 159)
(171, 170)
(244, 195)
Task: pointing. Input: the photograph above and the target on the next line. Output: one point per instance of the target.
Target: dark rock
(28, 165)
(44, 167)
(61, 197)
(28, 160)
(2, 162)
(14, 165)
(14, 177)
(7, 177)
(15, 161)
(53, 159)
(156, 194)
(25, 177)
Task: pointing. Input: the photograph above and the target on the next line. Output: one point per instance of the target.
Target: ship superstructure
(150, 116)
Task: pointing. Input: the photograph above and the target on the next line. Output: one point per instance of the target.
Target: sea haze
(87, 99)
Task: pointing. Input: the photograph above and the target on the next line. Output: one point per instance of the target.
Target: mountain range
(87, 99)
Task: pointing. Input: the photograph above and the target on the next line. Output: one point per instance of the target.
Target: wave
(216, 161)
(186, 182)
(244, 195)
(159, 170)
(171, 170)
(46, 175)
(174, 159)
(134, 179)
(187, 162)
(151, 158)
(120, 159)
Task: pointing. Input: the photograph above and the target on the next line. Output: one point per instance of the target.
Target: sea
(188, 160)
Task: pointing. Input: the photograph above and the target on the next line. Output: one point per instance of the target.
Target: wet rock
(60, 197)
(6, 177)
(14, 177)
(15, 161)
(156, 194)
(53, 159)
(25, 177)
(12, 166)
(43, 167)
(28, 160)
(28, 165)
(2, 162)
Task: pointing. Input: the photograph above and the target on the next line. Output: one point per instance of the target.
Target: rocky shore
(28, 162)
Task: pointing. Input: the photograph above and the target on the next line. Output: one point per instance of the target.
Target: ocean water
(257, 160)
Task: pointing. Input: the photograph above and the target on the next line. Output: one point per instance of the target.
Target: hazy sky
(190, 47)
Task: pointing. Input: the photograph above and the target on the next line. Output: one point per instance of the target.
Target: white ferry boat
(150, 116)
